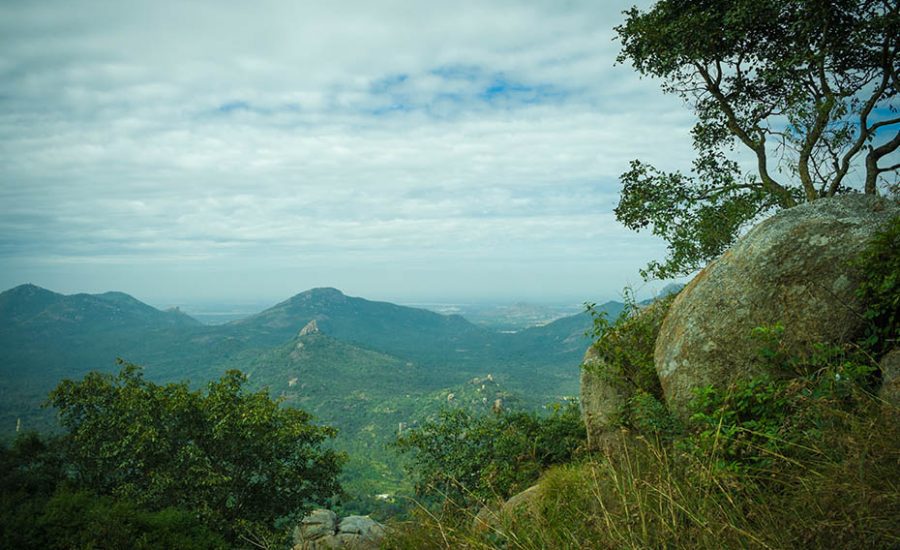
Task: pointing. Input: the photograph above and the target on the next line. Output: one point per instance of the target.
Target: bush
(880, 290)
(469, 459)
(240, 462)
(84, 520)
(626, 346)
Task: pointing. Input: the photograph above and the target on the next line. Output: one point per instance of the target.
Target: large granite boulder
(793, 268)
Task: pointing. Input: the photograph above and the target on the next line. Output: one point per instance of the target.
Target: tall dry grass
(837, 488)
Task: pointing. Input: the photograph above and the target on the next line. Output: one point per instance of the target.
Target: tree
(237, 459)
(808, 87)
(468, 458)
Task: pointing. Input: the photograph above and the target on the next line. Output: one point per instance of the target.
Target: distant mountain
(366, 367)
(46, 336)
(30, 307)
(364, 394)
(412, 333)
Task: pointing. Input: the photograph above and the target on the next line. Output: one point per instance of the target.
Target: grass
(839, 488)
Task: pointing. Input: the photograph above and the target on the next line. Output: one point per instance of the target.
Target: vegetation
(40, 508)
(465, 460)
(147, 462)
(805, 462)
(881, 289)
(806, 87)
(626, 346)
(366, 390)
(804, 455)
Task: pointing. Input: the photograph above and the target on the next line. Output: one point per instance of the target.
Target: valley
(367, 368)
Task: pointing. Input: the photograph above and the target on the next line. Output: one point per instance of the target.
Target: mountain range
(365, 367)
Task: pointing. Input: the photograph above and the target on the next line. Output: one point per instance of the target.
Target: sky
(408, 151)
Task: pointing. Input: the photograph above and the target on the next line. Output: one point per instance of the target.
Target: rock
(493, 516)
(317, 524)
(364, 526)
(792, 268)
(605, 391)
(601, 401)
(521, 503)
(311, 327)
(890, 378)
(320, 530)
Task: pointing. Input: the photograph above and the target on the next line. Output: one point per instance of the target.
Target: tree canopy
(236, 459)
(808, 87)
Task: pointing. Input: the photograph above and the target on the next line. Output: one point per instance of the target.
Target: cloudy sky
(234, 151)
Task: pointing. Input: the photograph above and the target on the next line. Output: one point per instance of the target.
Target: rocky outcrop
(311, 327)
(321, 530)
(606, 389)
(793, 268)
(601, 400)
(890, 378)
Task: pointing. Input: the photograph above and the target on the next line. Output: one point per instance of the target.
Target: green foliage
(811, 462)
(806, 82)
(85, 520)
(235, 458)
(880, 289)
(625, 347)
(39, 509)
(468, 458)
(766, 420)
(31, 468)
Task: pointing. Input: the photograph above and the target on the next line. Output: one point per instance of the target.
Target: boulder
(521, 503)
(317, 524)
(890, 378)
(493, 516)
(321, 530)
(600, 401)
(793, 268)
(362, 526)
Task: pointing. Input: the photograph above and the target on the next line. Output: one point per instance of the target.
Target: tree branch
(872, 169)
(758, 147)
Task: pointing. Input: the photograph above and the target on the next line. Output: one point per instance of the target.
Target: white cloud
(219, 148)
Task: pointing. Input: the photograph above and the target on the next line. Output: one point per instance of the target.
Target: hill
(365, 367)
(417, 334)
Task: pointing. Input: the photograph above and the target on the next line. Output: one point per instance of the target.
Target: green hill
(368, 368)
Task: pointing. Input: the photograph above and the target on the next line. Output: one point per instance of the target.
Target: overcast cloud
(396, 150)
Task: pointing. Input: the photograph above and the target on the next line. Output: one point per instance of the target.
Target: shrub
(626, 346)
(85, 520)
(235, 458)
(880, 289)
(469, 458)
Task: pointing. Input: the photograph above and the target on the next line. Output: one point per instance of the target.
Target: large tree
(235, 458)
(807, 87)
